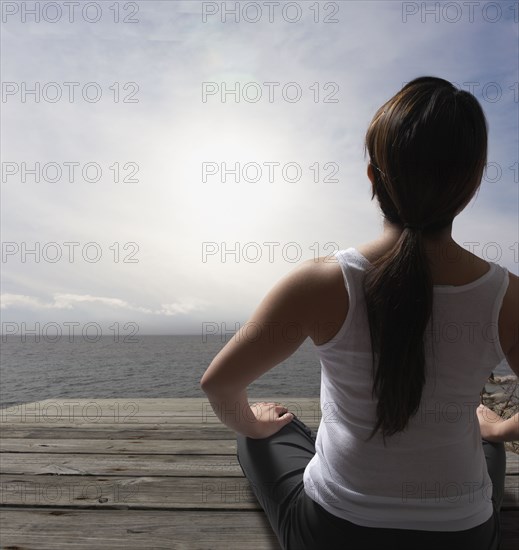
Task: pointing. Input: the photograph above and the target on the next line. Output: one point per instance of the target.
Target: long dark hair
(428, 148)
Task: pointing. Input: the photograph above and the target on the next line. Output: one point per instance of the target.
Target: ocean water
(152, 366)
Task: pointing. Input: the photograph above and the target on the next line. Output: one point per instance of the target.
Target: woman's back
(433, 474)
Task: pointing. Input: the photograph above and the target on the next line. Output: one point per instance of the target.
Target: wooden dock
(142, 473)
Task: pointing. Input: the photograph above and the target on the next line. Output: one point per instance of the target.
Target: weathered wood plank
(211, 492)
(161, 405)
(138, 410)
(151, 492)
(146, 423)
(145, 432)
(512, 463)
(121, 464)
(142, 420)
(62, 529)
(176, 464)
(58, 529)
(139, 422)
(114, 446)
(139, 446)
(511, 495)
(153, 432)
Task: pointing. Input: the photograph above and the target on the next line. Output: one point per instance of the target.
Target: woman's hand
(270, 418)
(489, 424)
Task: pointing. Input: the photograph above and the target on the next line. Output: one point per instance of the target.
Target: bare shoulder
(511, 297)
(513, 282)
(509, 315)
(325, 295)
(324, 265)
(318, 276)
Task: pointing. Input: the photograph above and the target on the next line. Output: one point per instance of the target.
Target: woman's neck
(450, 263)
(434, 242)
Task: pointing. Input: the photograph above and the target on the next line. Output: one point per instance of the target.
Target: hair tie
(413, 226)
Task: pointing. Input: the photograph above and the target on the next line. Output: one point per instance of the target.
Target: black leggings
(274, 467)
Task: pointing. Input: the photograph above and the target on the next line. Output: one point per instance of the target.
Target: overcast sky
(125, 101)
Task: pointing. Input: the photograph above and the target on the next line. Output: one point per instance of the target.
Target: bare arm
(496, 429)
(289, 313)
(493, 427)
(509, 322)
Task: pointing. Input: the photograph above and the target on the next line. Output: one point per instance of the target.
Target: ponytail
(429, 147)
(399, 304)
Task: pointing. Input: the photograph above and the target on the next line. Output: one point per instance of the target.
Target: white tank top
(432, 476)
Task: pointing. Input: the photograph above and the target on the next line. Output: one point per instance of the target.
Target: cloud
(68, 301)
(9, 301)
(72, 301)
(178, 308)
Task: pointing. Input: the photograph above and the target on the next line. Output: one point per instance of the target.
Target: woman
(408, 328)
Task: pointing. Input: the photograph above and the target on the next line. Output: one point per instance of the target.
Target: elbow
(214, 388)
(203, 383)
(216, 382)
(206, 383)
(211, 380)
